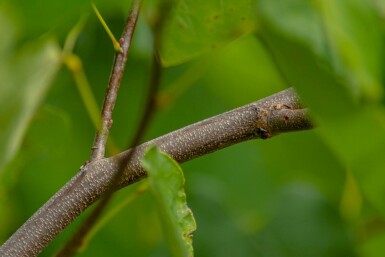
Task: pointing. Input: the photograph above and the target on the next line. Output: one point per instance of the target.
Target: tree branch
(279, 113)
(77, 239)
(101, 137)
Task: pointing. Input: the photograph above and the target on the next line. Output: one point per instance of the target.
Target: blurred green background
(313, 193)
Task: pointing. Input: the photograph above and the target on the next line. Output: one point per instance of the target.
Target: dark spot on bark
(287, 106)
(110, 123)
(262, 133)
(286, 117)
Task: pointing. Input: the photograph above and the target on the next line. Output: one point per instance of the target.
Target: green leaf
(24, 81)
(354, 131)
(295, 19)
(347, 33)
(58, 16)
(44, 16)
(167, 185)
(354, 31)
(198, 26)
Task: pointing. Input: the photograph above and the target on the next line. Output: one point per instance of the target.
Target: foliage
(316, 193)
(167, 186)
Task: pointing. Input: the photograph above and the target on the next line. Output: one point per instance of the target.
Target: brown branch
(77, 240)
(98, 148)
(279, 113)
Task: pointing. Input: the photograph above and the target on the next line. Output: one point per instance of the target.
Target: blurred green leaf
(58, 16)
(295, 19)
(198, 26)
(347, 34)
(45, 16)
(167, 184)
(25, 79)
(354, 131)
(278, 197)
(354, 31)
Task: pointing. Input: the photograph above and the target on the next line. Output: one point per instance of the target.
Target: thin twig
(279, 113)
(75, 66)
(98, 148)
(77, 239)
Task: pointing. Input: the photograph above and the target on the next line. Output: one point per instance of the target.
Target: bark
(279, 113)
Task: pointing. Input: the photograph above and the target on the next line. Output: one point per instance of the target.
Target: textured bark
(265, 118)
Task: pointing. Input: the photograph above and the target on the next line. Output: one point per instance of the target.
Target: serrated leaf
(167, 185)
(198, 26)
(25, 78)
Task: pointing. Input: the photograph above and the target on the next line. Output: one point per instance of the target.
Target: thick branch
(270, 116)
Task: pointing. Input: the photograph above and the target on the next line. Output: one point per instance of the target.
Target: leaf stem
(75, 65)
(115, 43)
